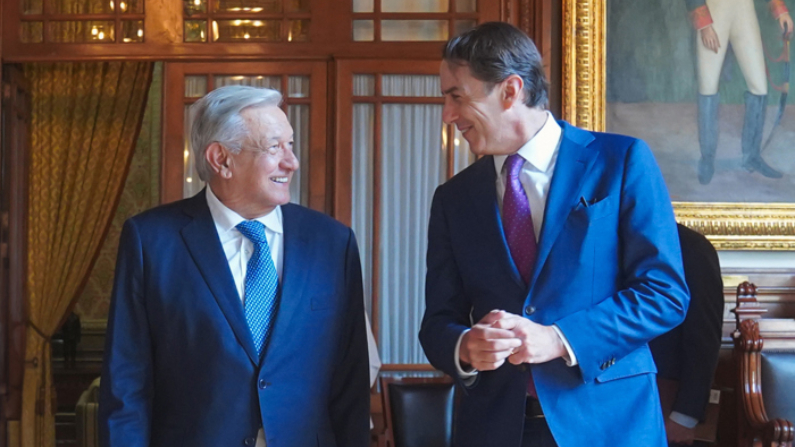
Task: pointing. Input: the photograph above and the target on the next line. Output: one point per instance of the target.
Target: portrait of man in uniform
(702, 81)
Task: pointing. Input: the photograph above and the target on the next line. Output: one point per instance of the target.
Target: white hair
(216, 118)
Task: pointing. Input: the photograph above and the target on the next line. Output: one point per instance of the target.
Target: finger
(509, 322)
(491, 357)
(500, 344)
(491, 333)
(487, 366)
(518, 358)
(492, 316)
(519, 326)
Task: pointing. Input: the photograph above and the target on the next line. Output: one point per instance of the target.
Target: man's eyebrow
(449, 90)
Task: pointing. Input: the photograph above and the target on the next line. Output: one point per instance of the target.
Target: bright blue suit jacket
(180, 364)
(608, 274)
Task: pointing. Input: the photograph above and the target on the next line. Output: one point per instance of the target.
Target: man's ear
(217, 157)
(512, 90)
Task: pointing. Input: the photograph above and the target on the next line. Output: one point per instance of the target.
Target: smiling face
(259, 175)
(477, 112)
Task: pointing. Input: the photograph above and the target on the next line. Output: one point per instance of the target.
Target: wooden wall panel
(15, 122)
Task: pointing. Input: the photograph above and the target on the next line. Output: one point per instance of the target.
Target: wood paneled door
(392, 152)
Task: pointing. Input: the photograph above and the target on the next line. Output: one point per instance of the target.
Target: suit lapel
(296, 267)
(201, 238)
(487, 220)
(573, 163)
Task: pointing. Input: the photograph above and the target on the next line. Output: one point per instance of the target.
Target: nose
(290, 161)
(449, 112)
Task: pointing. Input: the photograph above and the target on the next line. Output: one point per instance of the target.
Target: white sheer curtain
(462, 156)
(413, 164)
(191, 183)
(299, 119)
(362, 187)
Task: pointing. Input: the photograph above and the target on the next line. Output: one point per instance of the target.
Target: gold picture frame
(730, 226)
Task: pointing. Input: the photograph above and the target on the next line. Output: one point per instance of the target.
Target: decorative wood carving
(748, 308)
(755, 425)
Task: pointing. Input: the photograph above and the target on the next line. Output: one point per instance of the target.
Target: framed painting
(713, 106)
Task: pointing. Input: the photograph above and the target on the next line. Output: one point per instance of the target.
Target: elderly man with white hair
(237, 318)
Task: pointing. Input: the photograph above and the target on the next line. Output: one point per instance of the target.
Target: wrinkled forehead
(267, 123)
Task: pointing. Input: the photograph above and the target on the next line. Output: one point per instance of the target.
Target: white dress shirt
(540, 155)
(238, 248)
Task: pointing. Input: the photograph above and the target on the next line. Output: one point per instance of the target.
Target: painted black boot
(752, 136)
(707, 135)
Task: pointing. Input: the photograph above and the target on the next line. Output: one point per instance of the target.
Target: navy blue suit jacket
(608, 274)
(180, 365)
(689, 353)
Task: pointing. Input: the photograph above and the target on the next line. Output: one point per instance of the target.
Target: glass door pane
(413, 164)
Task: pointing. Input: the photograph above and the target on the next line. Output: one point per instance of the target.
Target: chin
(478, 150)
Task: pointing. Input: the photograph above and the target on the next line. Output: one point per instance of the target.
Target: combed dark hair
(495, 50)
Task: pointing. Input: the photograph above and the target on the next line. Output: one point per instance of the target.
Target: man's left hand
(539, 343)
(679, 433)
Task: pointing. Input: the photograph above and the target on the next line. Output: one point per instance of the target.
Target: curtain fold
(85, 119)
(413, 164)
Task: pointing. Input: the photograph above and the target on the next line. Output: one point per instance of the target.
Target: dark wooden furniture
(764, 351)
(418, 412)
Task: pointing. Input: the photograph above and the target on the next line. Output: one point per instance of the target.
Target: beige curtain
(85, 119)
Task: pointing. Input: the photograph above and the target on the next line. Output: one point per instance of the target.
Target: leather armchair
(418, 412)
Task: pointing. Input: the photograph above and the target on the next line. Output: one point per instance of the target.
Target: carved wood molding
(525, 16)
(748, 346)
(583, 86)
(747, 308)
(741, 226)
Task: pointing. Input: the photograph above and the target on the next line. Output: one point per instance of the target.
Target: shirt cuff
(570, 358)
(683, 419)
(467, 376)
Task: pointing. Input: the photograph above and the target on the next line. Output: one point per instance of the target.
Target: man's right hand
(710, 39)
(484, 347)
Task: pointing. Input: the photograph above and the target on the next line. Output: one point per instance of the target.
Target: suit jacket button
(263, 384)
(530, 310)
(249, 441)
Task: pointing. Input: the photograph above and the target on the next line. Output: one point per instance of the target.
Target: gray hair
(216, 118)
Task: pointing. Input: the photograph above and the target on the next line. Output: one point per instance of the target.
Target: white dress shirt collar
(226, 219)
(540, 150)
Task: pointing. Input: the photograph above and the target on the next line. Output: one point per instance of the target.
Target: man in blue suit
(552, 261)
(237, 318)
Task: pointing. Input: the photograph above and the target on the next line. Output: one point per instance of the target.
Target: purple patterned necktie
(517, 221)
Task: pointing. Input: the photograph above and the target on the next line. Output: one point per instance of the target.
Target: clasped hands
(501, 336)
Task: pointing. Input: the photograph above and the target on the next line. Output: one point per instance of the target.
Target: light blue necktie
(261, 286)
